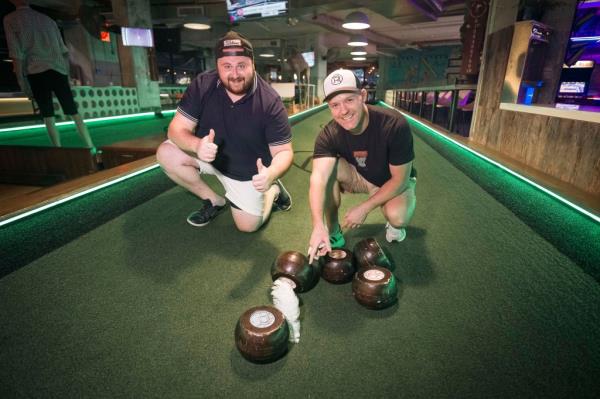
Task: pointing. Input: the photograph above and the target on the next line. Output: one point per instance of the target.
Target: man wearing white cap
(364, 149)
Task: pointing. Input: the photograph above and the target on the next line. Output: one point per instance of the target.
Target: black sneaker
(283, 202)
(204, 215)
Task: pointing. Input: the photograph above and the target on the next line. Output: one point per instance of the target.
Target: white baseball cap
(340, 81)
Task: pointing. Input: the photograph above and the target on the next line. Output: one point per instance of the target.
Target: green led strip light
(117, 180)
(93, 120)
(499, 165)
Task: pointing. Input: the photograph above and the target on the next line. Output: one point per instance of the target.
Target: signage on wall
(473, 35)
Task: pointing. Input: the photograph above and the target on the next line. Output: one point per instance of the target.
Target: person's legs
(60, 86)
(348, 180)
(82, 130)
(183, 170)
(40, 84)
(399, 211)
(250, 209)
(53, 134)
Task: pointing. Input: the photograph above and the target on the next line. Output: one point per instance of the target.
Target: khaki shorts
(357, 184)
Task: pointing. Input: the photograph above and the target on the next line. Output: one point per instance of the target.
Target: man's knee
(245, 222)
(399, 211)
(167, 154)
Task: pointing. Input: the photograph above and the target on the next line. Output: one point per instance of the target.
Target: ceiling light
(358, 40)
(359, 58)
(198, 23)
(266, 54)
(356, 20)
(359, 51)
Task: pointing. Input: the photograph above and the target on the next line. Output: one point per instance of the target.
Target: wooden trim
(35, 199)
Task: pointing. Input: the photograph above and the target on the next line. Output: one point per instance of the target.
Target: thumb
(211, 136)
(259, 165)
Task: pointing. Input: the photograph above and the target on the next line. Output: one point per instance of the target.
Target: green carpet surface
(144, 305)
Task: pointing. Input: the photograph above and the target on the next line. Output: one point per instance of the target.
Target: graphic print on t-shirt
(361, 158)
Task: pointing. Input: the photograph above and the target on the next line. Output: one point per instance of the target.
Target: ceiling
(310, 24)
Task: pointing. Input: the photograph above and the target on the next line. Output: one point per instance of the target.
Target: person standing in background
(41, 63)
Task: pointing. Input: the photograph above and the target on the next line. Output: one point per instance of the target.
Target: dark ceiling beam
(430, 8)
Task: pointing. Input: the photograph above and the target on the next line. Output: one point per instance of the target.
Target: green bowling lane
(144, 305)
(102, 132)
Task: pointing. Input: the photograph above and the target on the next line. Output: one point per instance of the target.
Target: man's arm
(181, 132)
(282, 155)
(319, 240)
(393, 187)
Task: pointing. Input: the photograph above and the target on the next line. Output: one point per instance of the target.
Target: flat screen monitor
(309, 57)
(141, 37)
(240, 10)
(572, 87)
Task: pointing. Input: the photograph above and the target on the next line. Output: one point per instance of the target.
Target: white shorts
(241, 193)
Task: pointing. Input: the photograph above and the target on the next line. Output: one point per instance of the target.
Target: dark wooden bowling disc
(375, 287)
(338, 266)
(295, 266)
(261, 334)
(368, 252)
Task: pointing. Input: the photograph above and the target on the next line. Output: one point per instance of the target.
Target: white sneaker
(394, 234)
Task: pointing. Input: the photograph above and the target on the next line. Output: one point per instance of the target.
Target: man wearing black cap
(364, 149)
(231, 124)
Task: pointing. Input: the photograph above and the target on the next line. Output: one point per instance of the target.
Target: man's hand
(355, 217)
(207, 151)
(262, 180)
(319, 243)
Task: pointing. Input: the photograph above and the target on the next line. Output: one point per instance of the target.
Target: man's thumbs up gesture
(262, 180)
(207, 150)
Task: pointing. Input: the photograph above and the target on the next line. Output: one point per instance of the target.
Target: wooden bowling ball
(338, 266)
(375, 287)
(295, 266)
(368, 252)
(261, 334)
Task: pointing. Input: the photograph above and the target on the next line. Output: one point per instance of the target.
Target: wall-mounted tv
(240, 10)
(141, 37)
(309, 57)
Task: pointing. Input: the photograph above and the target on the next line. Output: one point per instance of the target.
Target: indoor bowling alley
(300, 198)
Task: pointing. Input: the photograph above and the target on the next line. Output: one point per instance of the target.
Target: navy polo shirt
(244, 130)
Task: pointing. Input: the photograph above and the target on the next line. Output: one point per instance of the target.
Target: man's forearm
(280, 163)
(185, 139)
(316, 199)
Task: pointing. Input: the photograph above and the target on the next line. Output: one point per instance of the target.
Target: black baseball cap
(233, 43)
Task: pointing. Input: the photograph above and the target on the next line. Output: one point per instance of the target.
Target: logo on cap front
(232, 42)
(337, 79)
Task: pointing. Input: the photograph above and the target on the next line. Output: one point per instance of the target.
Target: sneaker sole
(197, 224)
(282, 187)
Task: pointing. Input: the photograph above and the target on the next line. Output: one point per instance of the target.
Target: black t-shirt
(244, 130)
(387, 140)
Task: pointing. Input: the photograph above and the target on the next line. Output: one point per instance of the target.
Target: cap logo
(232, 42)
(337, 79)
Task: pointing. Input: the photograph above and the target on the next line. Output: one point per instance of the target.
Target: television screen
(309, 57)
(572, 87)
(239, 10)
(141, 37)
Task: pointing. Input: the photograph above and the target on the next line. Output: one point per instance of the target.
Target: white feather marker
(285, 299)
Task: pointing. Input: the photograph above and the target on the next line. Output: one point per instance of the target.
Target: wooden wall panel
(566, 149)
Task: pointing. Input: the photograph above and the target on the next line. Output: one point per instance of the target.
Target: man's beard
(245, 88)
